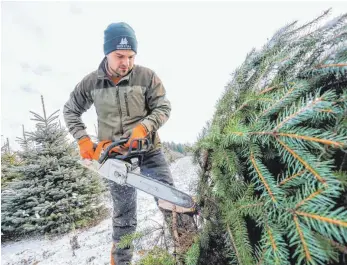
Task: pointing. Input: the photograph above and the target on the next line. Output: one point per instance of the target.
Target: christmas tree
(9, 160)
(273, 157)
(55, 193)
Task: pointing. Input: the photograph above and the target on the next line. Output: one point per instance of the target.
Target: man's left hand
(140, 131)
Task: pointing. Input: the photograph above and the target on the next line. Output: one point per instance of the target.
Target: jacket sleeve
(79, 102)
(159, 106)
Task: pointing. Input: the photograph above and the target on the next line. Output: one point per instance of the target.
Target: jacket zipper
(126, 103)
(120, 111)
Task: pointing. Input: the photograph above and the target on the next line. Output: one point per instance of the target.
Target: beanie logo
(124, 45)
(124, 41)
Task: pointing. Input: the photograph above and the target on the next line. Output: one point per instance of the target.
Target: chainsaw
(120, 168)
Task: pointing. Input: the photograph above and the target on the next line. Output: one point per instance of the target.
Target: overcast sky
(48, 47)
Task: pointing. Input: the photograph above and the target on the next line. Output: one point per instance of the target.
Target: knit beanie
(119, 36)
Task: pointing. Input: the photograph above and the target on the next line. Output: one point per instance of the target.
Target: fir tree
(274, 158)
(55, 194)
(9, 160)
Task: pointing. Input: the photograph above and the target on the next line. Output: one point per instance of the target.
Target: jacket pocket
(135, 101)
(105, 132)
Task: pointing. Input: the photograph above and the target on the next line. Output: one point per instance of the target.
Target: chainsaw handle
(143, 145)
(108, 149)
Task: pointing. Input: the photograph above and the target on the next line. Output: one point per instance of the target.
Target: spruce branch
(323, 218)
(274, 246)
(311, 23)
(333, 143)
(303, 162)
(273, 243)
(305, 137)
(290, 94)
(303, 241)
(330, 65)
(234, 245)
(268, 89)
(329, 223)
(307, 106)
(310, 197)
(263, 180)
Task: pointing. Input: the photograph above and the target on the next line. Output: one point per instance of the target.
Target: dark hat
(119, 36)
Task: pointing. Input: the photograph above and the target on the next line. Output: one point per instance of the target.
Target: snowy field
(95, 242)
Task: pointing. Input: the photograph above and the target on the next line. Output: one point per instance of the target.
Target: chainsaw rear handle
(143, 145)
(105, 154)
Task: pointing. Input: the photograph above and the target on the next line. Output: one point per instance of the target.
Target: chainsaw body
(120, 168)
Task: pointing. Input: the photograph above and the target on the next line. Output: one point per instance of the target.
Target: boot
(121, 256)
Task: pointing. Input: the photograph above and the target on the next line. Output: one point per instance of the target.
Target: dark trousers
(124, 219)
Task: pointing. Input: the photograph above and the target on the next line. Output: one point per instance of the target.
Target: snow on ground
(95, 242)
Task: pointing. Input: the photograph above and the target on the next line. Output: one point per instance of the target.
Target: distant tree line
(178, 147)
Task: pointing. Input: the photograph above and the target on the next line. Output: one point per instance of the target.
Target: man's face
(120, 62)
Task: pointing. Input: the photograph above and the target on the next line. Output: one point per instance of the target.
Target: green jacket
(139, 97)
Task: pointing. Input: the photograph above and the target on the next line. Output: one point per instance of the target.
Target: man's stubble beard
(116, 73)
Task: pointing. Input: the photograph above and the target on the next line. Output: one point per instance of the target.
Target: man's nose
(126, 62)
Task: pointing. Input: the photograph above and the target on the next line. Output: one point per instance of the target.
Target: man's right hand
(102, 145)
(86, 148)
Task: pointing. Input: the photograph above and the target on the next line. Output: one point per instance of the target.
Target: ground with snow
(95, 242)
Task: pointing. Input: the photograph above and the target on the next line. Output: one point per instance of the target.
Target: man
(130, 101)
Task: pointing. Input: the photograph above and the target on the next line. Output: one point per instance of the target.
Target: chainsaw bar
(120, 172)
(159, 190)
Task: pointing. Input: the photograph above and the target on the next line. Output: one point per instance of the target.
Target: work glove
(140, 131)
(102, 145)
(86, 148)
